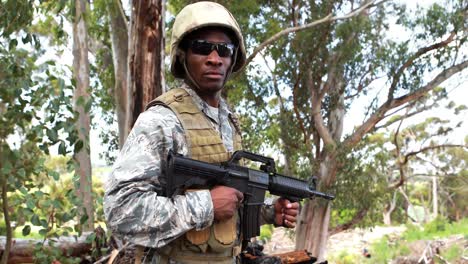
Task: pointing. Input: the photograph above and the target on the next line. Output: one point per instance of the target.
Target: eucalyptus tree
(35, 114)
(412, 153)
(82, 102)
(130, 57)
(311, 66)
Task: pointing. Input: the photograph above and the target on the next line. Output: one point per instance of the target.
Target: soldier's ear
(180, 61)
(181, 56)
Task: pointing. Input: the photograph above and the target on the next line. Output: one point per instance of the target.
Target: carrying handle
(268, 163)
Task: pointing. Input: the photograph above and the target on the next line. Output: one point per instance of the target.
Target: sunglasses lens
(202, 47)
(225, 50)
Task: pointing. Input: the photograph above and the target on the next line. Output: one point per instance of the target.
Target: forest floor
(353, 240)
(356, 241)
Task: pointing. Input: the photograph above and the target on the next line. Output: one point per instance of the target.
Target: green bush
(452, 253)
(344, 257)
(437, 225)
(266, 232)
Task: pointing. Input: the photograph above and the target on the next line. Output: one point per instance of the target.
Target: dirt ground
(353, 241)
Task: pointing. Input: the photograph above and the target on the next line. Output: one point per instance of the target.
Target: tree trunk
(6, 216)
(388, 210)
(82, 99)
(312, 232)
(119, 41)
(435, 205)
(312, 237)
(23, 249)
(146, 55)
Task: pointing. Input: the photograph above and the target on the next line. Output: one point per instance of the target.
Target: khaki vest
(218, 242)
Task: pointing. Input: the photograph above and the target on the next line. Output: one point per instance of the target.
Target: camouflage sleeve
(133, 206)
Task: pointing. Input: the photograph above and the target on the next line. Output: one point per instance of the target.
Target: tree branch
(296, 110)
(400, 164)
(427, 107)
(317, 115)
(370, 123)
(425, 149)
(328, 18)
(420, 52)
(356, 219)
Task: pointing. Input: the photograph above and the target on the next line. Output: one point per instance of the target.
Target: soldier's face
(208, 59)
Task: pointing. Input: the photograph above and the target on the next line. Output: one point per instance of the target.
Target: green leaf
(44, 223)
(54, 175)
(88, 105)
(39, 194)
(27, 38)
(56, 204)
(30, 204)
(83, 219)
(62, 148)
(52, 135)
(66, 217)
(26, 230)
(78, 146)
(35, 220)
(21, 172)
(90, 238)
(23, 190)
(6, 167)
(43, 232)
(13, 43)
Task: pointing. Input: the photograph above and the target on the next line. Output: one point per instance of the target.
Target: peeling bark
(146, 53)
(119, 41)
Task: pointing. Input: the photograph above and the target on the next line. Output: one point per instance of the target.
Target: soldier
(201, 226)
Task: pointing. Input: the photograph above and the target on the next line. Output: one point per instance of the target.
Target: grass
(438, 228)
(386, 249)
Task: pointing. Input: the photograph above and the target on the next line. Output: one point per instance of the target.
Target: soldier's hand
(226, 200)
(286, 212)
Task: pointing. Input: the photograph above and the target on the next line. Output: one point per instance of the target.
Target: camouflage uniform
(134, 206)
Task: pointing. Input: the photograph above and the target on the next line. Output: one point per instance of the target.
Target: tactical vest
(216, 243)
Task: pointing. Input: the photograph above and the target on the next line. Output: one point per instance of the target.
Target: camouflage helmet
(199, 15)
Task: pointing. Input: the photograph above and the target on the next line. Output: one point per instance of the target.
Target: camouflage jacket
(133, 205)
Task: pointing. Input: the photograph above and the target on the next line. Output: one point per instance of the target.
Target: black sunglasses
(203, 47)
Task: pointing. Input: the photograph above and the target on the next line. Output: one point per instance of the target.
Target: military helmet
(200, 15)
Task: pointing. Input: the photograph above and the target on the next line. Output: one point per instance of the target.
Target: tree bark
(23, 249)
(119, 41)
(312, 230)
(146, 54)
(81, 100)
(6, 216)
(435, 205)
(388, 210)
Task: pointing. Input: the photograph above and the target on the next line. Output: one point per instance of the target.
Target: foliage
(386, 249)
(35, 114)
(437, 228)
(265, 233)
(451, 254)
(344, 257)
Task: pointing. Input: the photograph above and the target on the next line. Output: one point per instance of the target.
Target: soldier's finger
(292, 212)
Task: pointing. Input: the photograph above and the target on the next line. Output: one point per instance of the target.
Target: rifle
(184, 173)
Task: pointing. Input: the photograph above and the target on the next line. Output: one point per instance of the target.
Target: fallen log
(22, 250)
(296, 257)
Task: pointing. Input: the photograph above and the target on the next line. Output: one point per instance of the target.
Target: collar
(224, 110)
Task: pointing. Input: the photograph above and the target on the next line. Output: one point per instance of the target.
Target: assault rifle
(184, 173)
